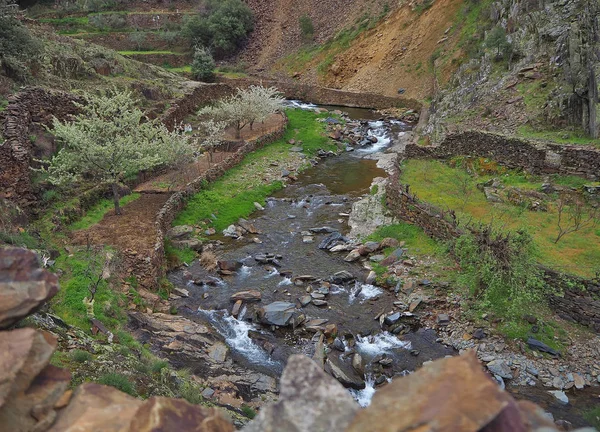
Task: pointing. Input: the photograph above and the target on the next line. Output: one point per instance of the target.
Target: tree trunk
(115, 191)
(592, 100)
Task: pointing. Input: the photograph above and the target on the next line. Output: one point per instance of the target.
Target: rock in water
(278, 313)
(310, 401)
(247, 296)
(331, 240)
(341, 277)
(345, 374)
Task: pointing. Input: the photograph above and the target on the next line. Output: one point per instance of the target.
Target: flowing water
(322, 197)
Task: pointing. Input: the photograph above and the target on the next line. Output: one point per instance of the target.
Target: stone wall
(148, 271)
(579, 300)
(328, 96)
(538, 158)
(26, 109)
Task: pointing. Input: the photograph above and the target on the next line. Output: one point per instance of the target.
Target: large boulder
(278, 313)
(24, 286)
(247, 296)
(310, 400)
(180, 232)
(452, 394)
(344, 373)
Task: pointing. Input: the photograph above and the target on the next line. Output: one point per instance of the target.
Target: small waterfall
(363, 292)
(384, 342)
(285, 281)
(379, 130)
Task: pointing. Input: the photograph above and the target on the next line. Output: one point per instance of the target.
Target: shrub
(80, 356)
(306, 27)
(118, 381)
(158, 365)
(223, 26)
(108, 21)
(203, 65)
(138, 38)
(497, 41)
(18, 49)
(501, 271)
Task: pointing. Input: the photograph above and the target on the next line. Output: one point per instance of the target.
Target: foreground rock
(451, 394)
(278, 313)
(24, 286)
(310, 400)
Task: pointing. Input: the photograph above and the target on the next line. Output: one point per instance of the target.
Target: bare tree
(574, 215)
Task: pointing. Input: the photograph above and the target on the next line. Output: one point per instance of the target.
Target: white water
(285, 281)
(368, 291)
(235, 333)
(299, 104)
(271, 273)
(244, 272)
(378, 130)
(364, 396)
(384, 342)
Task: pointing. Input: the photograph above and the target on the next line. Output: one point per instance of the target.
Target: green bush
(18, 49)
(222, 28)
(118, 381)
(306, 27)
(203, 65)
(80, 356)
(497, 41)
(501, 272)
(158, 365)
(111, 21)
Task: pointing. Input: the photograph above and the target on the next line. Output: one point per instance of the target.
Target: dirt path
(133, 230)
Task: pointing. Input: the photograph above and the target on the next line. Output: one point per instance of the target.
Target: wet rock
(341, 277)
(392, 318)
(344, 373)
(323, 230)
(371, 277)
(181, 292)
(331, 240)
(308, 239)
(358, 364)
(180, 232)
(305, 300)
(354, 255)
(338, 344)
(560, 396)
(235, 311)
(231, 231)
(247, 296)
(24, 286)
(310, 400)
(320, 303)
(317, 295)
(500, 368)
(277, 313)
(540, 346)
(247, 226)
(229, 266)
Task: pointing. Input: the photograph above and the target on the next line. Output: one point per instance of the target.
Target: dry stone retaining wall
(149, 269)
(579, 300)
(34, 105)
(515, 153)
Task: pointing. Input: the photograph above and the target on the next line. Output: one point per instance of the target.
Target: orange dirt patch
(133, 230)
(397, 53)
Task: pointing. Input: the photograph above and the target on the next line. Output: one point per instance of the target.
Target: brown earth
(398, 52)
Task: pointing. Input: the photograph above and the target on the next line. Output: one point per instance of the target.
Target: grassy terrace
(453, 187)
(233, 195)
(149, 53)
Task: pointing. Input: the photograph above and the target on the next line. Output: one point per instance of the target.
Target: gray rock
(331, 240)
(193, 244)
(443, 319)
(345, 374)
(558, 383)
(341, 277)
(319, 302)
(560, 396)
(540, 346)
(500, 368)
(257, 206)
(305, 300)
(180, 232)
(392, 318)
(231, 231)
(338, 344)
(207, 393)
(310, 400)
(354, 255)
(371, 247)
(372, 276)
(377, 258)
(278, 313)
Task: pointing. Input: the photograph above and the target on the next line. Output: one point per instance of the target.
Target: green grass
(158, 365)
(593, 417)
(178, 256)
(80, 356)
(548, 333)
(118, 381)
(446, 187)
(68, 303)
(414, 237)
(96, 213)
(182, 69)
(234, 194)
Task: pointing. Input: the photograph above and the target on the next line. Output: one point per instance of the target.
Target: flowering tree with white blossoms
(247, 106)
(110, 139)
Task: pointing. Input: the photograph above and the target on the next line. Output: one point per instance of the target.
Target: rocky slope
(34, 394)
